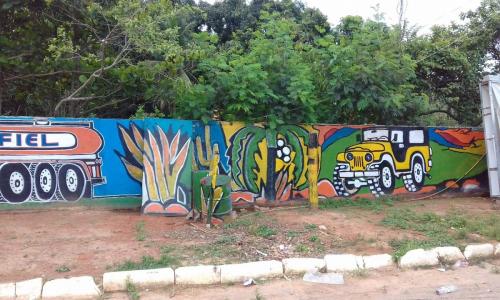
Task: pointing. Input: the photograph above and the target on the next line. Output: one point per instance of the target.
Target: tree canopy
(263, 60)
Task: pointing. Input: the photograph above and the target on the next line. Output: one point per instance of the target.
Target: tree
(363, 76)
(269, 82)
(261, 60)
(452, 60)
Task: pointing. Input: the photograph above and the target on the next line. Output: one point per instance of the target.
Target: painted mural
(265, 165)
(67, 160)
(167, 167)
(269, 167)
(60, 160)
(377, 161)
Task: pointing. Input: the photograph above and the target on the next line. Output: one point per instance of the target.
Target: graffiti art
(380, 160)
(61, 160)
(167, 146)
(48, 161)
(383, 155)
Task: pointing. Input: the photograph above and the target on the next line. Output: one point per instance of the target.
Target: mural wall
(63, 160)
(166, 182)
(382, 161)
(66, 160)
(269, 167)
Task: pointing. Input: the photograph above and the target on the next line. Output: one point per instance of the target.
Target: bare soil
(79, 241)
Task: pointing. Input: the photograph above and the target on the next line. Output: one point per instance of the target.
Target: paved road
(475, 282)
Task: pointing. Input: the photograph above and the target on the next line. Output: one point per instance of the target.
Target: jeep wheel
(384, 184)
(341, 186)
(415, 180)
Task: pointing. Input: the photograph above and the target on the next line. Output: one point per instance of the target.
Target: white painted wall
(490, 101)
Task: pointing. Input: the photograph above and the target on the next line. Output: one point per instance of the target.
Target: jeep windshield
(376, 135)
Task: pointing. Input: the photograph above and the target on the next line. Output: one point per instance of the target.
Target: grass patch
(63, 269)
(265, 231)
(301, 248)
(313, 239)
(453, 229)
(140, 231)
(132, 292)
(226, 240)
(363, 203)
(220, 251)
(311, 227)
(402, 246)
(292, 234)
(238, 223)
(166, 259)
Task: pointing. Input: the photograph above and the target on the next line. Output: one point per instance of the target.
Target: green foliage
(266, 60)
(63, 269)
(311, 227)
(452, 229)
(166, 259)
(369, 204)
(313, 239)
(402, 246)
(132, 292)
(365, 76)
(302, 248)
(142, 114)
(265, 231)
(238, 223)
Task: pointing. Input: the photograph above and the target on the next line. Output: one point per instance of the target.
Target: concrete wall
(65, 160)
(95, 160)
(417, 161)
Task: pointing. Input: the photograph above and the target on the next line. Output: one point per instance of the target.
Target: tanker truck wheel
(45, 181)
(15, 182)
(71, 182)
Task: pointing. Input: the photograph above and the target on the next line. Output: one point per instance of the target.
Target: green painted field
(112, 203)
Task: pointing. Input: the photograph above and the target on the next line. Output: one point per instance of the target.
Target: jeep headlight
(368, 157)
(349, 156)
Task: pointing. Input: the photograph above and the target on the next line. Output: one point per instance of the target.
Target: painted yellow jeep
(382, 155)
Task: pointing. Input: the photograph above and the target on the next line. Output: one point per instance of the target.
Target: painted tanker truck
(43, 160)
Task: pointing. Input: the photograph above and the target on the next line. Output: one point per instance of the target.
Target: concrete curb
(29, 289)
(117, 281)
(449, 255)
(301, 265)
(255, 270)
(378, 261)
(479, 251)
(196, 275)
(343, 262)
(84, 287)
(7, 290)
(419, 258)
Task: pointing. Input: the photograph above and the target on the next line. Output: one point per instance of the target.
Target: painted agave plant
(249, 160)
(156, 160)
(163, 162)
(133, 142)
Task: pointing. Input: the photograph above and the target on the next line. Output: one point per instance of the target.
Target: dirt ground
(78, 241)
(475, 282)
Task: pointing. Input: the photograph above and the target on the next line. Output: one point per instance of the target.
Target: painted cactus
(250, 154)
